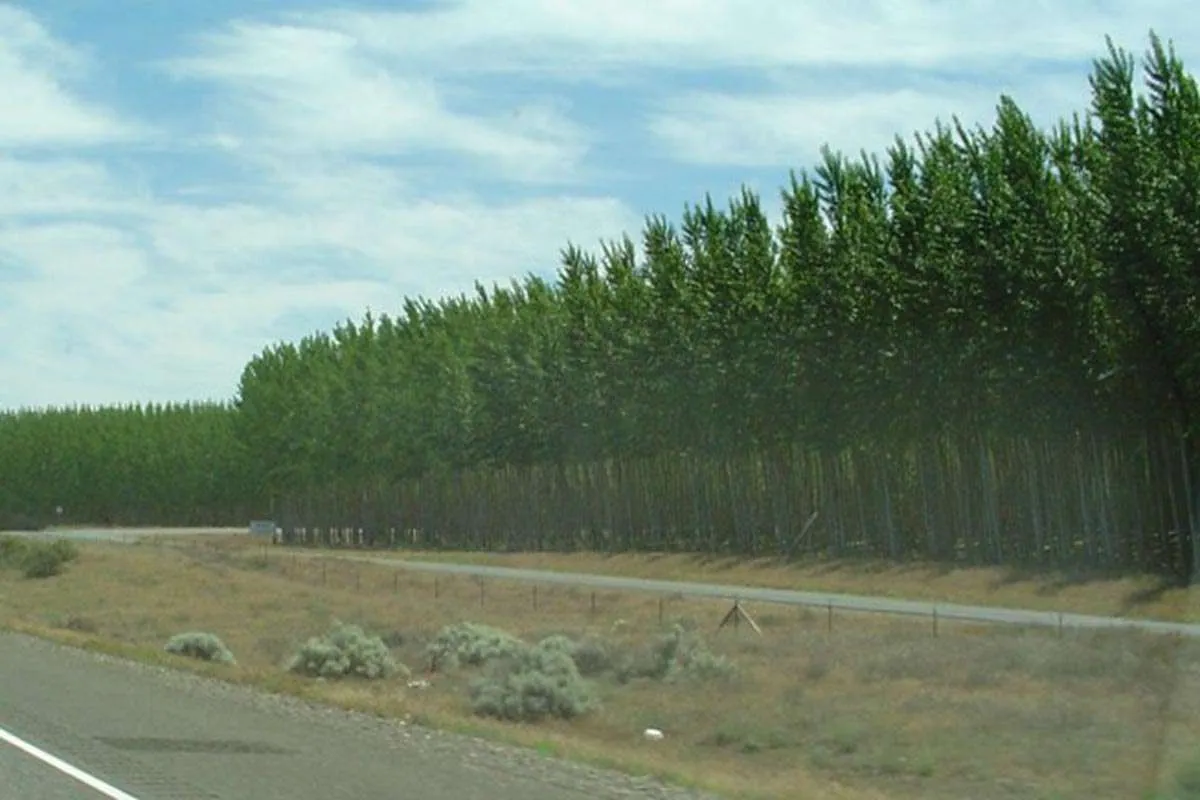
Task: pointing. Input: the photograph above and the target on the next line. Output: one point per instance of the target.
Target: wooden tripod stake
(737, 615)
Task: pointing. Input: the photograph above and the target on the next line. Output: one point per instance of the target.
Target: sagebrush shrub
(347, 650)
(201, 645)
(471, 644)
(532, 684)
(45, 559)
(592, 656)
(12, 550)
(674, 656)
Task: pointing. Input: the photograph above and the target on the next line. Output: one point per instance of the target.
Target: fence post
(535, 598)
(829, 617)
(935, 622)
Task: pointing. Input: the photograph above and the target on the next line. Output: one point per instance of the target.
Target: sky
(183, 184)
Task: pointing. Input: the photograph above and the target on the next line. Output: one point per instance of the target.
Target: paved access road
(154, 734)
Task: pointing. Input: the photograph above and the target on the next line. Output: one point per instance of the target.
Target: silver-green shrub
(472, 645)
(536, 682)
(346, 651)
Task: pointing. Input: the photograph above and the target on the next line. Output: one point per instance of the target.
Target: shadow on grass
(1152, 594)
(1052, 579)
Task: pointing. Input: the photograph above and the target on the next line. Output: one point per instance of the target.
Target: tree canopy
(997, 281)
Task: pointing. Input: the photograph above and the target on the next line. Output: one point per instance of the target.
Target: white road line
(92, 782)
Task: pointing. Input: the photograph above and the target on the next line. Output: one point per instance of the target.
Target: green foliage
(178, 464)
(533, 683)
(37, 558)
(592, 656)
(12, 550)
(969, 290)
(678, 655)
(200, 645)
(924, 321)
(472, 645)
(345, 651)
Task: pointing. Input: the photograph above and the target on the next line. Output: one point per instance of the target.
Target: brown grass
(874, 708)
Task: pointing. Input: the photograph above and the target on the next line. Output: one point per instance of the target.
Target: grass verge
(874, 708)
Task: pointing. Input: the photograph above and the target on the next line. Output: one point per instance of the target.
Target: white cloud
(788, 127)
(38, 110)
(415, 244)
(114, 289)
(171, 302)
(84, 261)
(314, 90)
(320, 163)
(582, 37)
(67, 187)
(814, 69)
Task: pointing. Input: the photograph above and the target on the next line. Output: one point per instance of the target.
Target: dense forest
(981, 344)
(175, 464)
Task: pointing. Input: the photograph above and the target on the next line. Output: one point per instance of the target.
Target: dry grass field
(871, 708)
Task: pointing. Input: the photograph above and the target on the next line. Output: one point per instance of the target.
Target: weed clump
(200, 645)
(37, 559)
(592, 656)
(676, 656)
(346, 651)
(12, 550)
(534, 683)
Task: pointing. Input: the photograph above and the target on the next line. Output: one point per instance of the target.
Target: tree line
(153, 464)
(991, 288)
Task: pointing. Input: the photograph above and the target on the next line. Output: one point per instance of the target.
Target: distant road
(841, 602)
(121, 534)
(131, 732)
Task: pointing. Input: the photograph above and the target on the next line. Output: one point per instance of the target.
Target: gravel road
(158, 734)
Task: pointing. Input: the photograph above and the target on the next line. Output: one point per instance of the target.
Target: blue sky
(183, 183)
